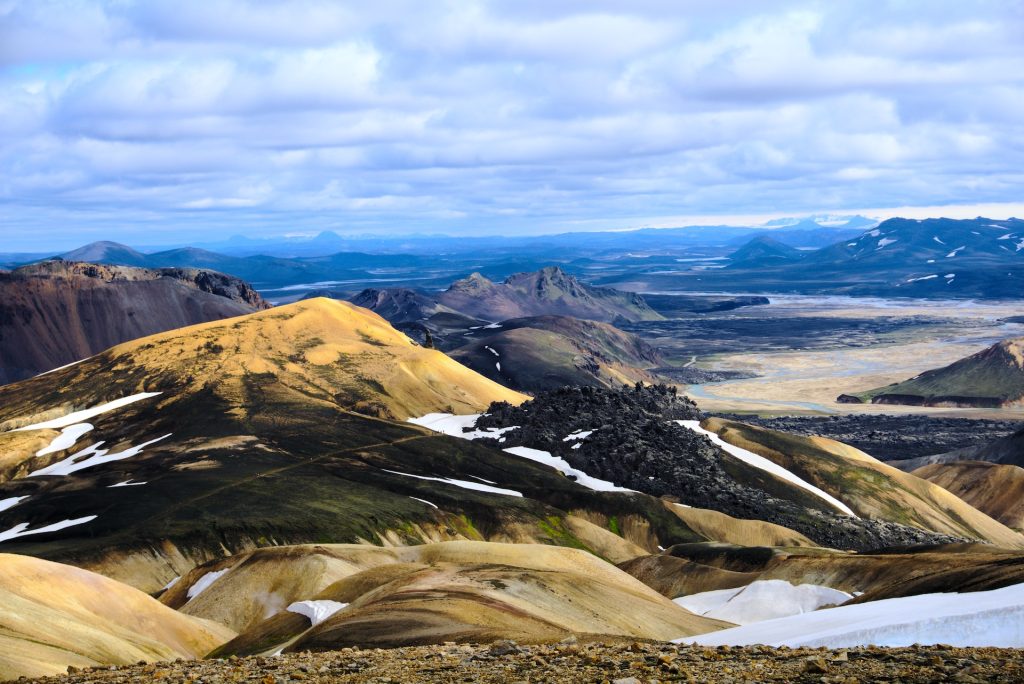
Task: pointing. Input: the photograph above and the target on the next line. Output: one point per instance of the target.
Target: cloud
(191, 116)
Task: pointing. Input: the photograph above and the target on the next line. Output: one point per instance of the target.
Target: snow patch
(456, 426)
(561, 465)
(172, 583)
(204, 582)
(126, 483)
(954, 252)
(927, 277)
(316, 611)
(21, 529)
(875, 233)
(936, 238)
(491, 350)
(1008, 236)
(66, 439)
(11, 502)
(92, 456)
(86, 414)
(465, 484)
(763, 463)
(885, 241)
(981, 618)
(762, 600)
(416, 498)
(579, 434)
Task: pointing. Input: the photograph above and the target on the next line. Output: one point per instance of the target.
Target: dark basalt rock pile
(634, 444)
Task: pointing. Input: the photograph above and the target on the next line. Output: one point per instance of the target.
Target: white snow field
(204, 582)
(763, 463)
(465, 484)
(316, 611)
(86, 414)
(21, 529)
(92, 456)
(762, 600)
(452, 425)
(560, 464)
(66, 439)
(981, 618)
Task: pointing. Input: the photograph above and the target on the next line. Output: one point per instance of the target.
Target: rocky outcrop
(56, 312)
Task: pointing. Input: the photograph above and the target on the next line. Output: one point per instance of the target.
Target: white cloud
(497, 115)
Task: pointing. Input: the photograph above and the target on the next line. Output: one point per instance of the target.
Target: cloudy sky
(163, 121)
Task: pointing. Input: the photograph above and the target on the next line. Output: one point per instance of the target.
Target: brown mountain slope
(454, 591)
(997, 490)
(57, 312)
(868, 486)
(549, 291)
(547, 352)
(54, 615)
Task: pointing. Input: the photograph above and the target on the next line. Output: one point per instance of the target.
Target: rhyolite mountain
(54, 616)
(996, 489)
(549, 291)
(56, 312)
(991, 378)
(283, 426)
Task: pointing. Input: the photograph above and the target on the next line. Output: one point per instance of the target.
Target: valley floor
(621, 663)
(803, 363)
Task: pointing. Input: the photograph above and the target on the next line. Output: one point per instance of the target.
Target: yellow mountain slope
(54, 615)
(868, 486)
(461, 591)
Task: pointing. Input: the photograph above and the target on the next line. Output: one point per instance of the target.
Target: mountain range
(309, 478)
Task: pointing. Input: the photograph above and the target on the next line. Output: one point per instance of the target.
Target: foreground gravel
(570, 661)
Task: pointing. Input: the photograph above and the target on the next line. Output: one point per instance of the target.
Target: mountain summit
(549, 291)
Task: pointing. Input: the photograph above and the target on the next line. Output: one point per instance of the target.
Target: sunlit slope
(54, 615)
(326, 349)
(868, 486)
(455, 591)
(995, 489)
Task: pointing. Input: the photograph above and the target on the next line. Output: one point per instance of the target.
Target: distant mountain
(108, 253)
(549, 291)
(809, 233)
(56, 312)
(991, 378)
(763, 251)
(399, 305)
(547, 352)
(933, 258)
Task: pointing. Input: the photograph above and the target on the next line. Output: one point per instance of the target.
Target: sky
(167, 121)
